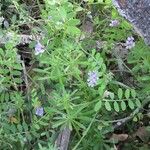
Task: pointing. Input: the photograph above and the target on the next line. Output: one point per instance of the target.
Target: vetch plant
(71, 86)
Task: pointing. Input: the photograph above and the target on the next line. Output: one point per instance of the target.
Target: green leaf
(78, 9)
(120, 93)
(100, 62)
(17, 66)
(58, 123)
(16, 73)
(133, 93)
(6, 96)
(17, 80)
(112, 96)
(116, 106)
(29, 137)
(101, 88)
(79, 125)
(63, 13)
(1, 52)
(127, 93)
(43, 123)
(138, 103)
(98, 105)
(25, 126)
(73, 30)
(12, 128)
(135, 119)
(19, 128)
(103, 68)
(144, 78)
(73, 22)
(123, 106)
(131, 104)
(37, 126)
(13, 19)
(9, 46)
(107, 106)
(44, 78)
(98, 56)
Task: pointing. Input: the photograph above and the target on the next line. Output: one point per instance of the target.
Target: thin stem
(85, 133)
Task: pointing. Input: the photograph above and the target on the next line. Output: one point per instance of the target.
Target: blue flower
(39, 111)
(92, 78)
(39, 48)
(114, 23)
(130, 42)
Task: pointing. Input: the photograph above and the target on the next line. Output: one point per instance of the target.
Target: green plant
(55, 80)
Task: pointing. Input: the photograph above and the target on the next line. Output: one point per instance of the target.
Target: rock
(63, 138)
(138, 13)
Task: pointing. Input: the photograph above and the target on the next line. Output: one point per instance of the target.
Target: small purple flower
(114, 23)
(92, 78)
(130, 42)
(39, 111)
(39, 48)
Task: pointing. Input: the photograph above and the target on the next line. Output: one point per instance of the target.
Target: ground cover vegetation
(75, 66)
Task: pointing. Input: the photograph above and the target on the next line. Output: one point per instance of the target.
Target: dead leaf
(119, 137)
(12, 119)
(142, 133)
(87, 29)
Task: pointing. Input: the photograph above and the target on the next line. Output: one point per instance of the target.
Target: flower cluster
(92, 78)
(39, 48)
(39, 111)
(130, 42)
(114, 23)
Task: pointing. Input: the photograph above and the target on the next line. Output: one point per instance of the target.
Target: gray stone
(138, 13)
